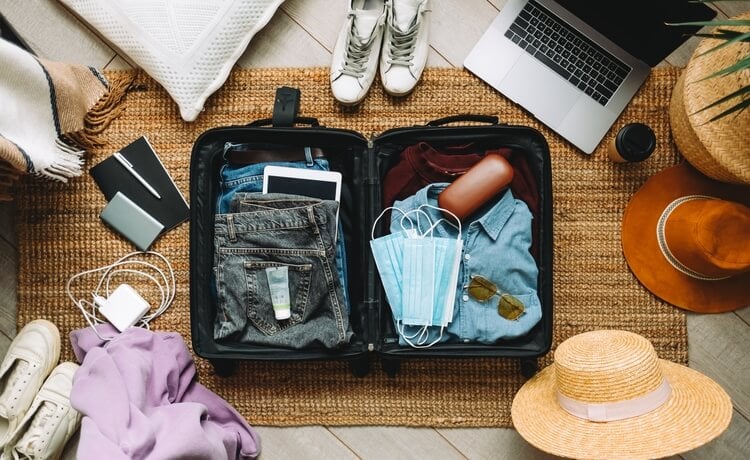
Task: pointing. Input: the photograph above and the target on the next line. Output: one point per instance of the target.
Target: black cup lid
(635, 142)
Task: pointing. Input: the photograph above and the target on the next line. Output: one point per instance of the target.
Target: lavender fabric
(140, 399)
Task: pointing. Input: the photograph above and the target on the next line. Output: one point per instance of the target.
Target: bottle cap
(282, 313)
(635, 142)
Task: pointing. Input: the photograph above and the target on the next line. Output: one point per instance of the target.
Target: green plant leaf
(739, 93)
(737, 66)
(741, 97)
(727, 36)
(716, 23)
(741, 106)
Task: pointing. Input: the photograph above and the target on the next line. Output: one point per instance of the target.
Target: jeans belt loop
(308, 157)
(231, 229)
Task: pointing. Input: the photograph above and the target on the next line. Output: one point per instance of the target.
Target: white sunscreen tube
(278, 283)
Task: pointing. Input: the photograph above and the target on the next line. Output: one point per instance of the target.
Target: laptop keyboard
(568, 52)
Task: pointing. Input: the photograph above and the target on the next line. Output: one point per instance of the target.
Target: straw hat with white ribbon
(608, 395)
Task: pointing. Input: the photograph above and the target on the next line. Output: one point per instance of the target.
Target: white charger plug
(123, 308)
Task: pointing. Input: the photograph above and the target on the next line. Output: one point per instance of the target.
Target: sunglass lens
(481, 288)
(510, 307)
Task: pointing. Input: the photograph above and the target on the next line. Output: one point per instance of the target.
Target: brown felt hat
(687, 239)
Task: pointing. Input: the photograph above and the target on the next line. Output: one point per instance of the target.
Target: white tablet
(325, 185)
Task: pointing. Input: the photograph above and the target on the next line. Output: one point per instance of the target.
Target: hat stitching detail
(662, 240)
(616, 410)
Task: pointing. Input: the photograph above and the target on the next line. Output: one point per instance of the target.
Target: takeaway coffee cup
(634, 142)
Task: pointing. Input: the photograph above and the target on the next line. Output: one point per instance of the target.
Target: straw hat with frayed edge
(702, 262)
(628, 402)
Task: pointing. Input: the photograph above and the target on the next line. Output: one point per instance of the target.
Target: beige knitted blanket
(50, 114)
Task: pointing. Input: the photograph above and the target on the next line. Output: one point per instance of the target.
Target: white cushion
(188, 46)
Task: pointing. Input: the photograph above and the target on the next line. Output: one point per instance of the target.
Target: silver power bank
(131, 221)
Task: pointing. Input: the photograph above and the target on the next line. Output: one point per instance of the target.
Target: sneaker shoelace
(33, 440)
(357, 51)
(403, 42)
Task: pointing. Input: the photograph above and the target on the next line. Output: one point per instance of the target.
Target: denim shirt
(496, 246)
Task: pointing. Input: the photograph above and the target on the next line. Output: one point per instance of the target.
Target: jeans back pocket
(260, 307)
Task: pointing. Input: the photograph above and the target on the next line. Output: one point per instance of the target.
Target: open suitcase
(363, 163)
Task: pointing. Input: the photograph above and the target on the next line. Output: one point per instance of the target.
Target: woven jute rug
(60, 234)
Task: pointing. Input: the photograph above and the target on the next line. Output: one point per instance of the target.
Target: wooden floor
(302, 34)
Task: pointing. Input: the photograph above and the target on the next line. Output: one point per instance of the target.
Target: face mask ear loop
(417, 345)
(424, 334)
(402, 331)
(382, 213)
(418, 212)
(443, 219)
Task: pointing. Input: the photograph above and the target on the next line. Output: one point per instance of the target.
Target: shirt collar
(493, 217)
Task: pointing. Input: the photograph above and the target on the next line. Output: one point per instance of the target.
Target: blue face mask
(388, 252)
(419, 273)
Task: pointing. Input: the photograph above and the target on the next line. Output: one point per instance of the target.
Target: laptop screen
(638, 26)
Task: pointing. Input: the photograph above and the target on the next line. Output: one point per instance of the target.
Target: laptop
(575, 64)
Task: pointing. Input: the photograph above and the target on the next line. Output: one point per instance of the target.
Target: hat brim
(645, 259)
(697, 411)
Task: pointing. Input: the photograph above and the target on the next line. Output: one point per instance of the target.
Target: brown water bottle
(478, 185)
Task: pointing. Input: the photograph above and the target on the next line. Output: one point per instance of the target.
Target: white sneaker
(31, 356)
(355, 56)
(50, 421)
(405, 45)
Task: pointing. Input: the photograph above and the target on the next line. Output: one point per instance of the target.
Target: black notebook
(112, 176)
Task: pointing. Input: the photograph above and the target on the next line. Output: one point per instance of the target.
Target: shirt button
(466, 340)
(467, 256)
(466, 298)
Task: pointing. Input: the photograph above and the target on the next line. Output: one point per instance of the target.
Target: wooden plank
(4, 344)
(301, 442)
(396, 442)
(732, 8)
(718, 345)
(8, 292)
(283, 43)
(322, 19)
(733, 443)
(434, 59)
(52, 32)
(498, 4)
(492, 443)
(744, 314)
(8, 222)
(455, 27)
(118, 63)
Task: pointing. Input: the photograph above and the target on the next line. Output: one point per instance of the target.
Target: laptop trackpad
(538, 89)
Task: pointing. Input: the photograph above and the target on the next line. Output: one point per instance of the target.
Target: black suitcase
(363, 163)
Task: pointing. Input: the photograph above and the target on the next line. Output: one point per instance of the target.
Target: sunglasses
(483, 290)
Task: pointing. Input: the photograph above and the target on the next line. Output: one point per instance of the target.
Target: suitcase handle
(301, 120)
(492, 120)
